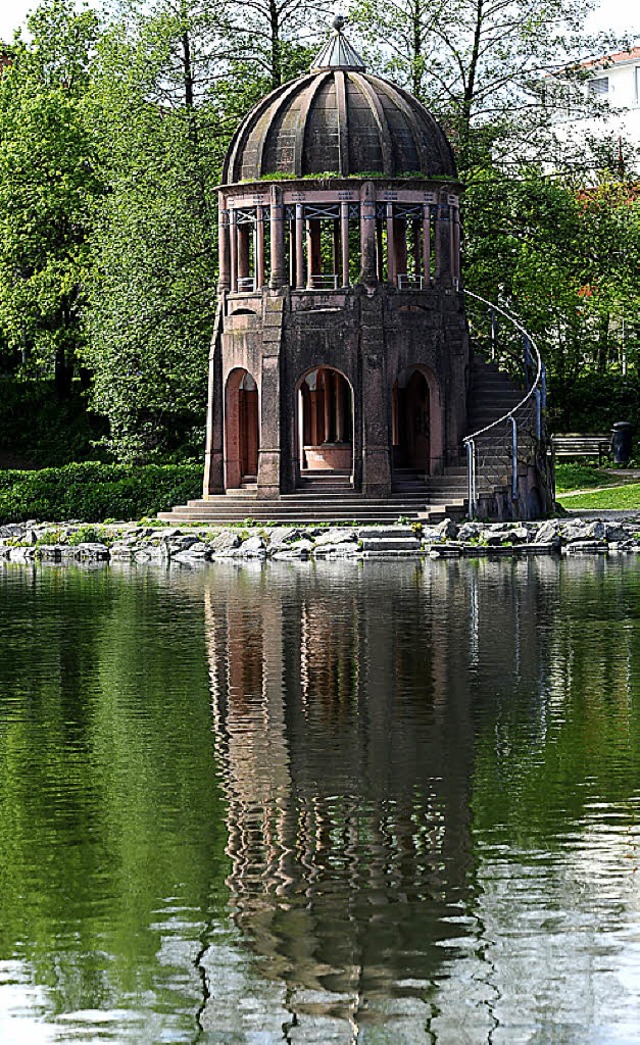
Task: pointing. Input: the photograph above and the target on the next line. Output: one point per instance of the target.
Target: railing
(323, 281)
(515, 437)
(406, 282)
(246, 284)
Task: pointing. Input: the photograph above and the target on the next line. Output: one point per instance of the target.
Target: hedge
(92, 491)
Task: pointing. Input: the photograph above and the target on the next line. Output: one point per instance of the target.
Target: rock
(583, 530)
(390, 544)
(447, 529)
(121, 551)
(179, 542)
(341, 550)
(366, 533)
(225, 543)
(614, 531)
(254, 547)
(196, 553)
(299, 550)
(284, 535)
(549, 533)
(335, 535)
(93, 551)
(148, 554)
(592, 547)
(468, 531)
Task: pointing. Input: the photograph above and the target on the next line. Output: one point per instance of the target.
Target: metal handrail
(538, 358)
(534, 392)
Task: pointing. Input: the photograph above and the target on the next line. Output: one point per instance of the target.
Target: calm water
(321, 803)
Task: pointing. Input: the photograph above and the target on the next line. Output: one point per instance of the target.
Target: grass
(616, 497)
(570, 475)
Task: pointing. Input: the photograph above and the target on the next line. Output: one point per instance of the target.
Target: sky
(617, 15)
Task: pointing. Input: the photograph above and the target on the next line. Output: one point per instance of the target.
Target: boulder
(549, 533)
(447, 529)
(225, 542)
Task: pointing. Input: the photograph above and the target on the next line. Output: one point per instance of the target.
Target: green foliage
(155, 242)
(57, 432)
(488, 71)
(561, 259)
(94, 492)
(48, 184)
(594, 401)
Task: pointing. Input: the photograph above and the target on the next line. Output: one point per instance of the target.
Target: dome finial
(338, 53)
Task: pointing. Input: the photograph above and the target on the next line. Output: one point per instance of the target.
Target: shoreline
(75, 542)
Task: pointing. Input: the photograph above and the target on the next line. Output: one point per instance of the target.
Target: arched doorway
(416, 421)
(242, 429)
(325, 423)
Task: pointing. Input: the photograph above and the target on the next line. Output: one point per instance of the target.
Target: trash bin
(621, 441)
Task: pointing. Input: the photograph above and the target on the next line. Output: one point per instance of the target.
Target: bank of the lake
(193, 545)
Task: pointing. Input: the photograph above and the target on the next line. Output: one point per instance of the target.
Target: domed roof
(338, 119)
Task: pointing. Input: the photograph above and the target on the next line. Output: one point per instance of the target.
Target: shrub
(93, 491)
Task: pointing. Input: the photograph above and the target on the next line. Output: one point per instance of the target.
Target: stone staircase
(329, 497)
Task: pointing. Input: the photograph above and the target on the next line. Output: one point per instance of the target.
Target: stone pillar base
(213, 474)
(376, 472)
(269, 473)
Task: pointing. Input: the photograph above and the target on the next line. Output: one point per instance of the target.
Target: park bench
(575, 445)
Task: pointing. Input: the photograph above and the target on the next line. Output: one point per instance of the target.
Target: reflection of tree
(349, 846)
(107, 803)
(545, 751)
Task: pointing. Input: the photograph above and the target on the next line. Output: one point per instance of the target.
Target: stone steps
(309, 508)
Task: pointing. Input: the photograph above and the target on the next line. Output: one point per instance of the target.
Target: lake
(321, 802)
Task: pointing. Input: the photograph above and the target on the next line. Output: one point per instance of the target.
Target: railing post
(527, 362)
(538, 395)
(471, 478)
(514, 458)
(494, 334)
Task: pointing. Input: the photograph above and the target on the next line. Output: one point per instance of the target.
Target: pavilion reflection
(344, 726)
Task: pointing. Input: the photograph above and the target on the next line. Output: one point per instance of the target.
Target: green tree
(152, 292)
(485, 67)
(49, 182)
(563, 259)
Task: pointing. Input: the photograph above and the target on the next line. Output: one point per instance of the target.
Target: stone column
(259, 248)
(344, 242)
(426, 243)
(368, 273)
(278, 275)
(443, 242)
(233, 249)
(392, 271)
(224, 274)
(338, 389)
(416, 229)
(400, 235)
(299, 246)
(244, 266)
(455, 242)
(373, 406)
(326, 386)
(314, 254)
(274, 410)
(213, 455)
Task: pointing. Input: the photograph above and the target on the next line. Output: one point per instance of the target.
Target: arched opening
(416, 421)
(325, 423)
(242, 429)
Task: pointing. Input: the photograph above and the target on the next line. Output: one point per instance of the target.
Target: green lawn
(627, 496)
(571, 475)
